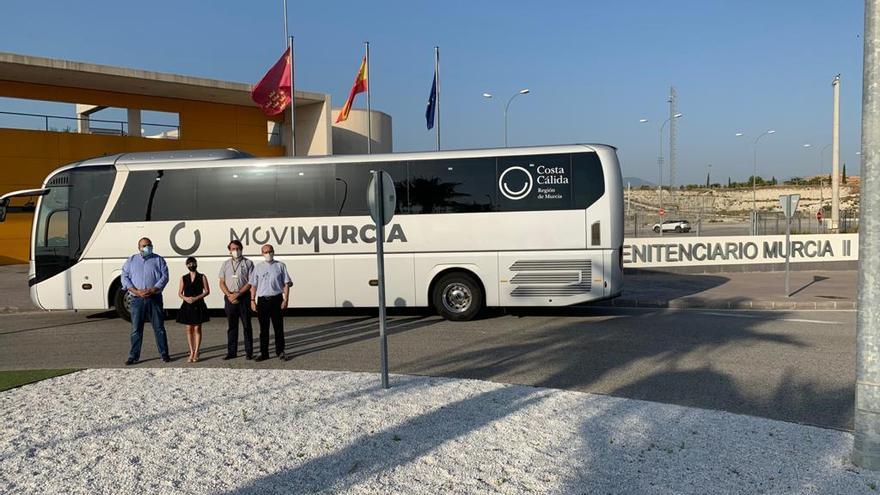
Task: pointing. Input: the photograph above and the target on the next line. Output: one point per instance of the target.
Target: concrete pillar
(82, 116)
(134, 122)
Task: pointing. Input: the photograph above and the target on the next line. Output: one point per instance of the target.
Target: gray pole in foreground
(866, 448)
(380, 273)
(787, 257)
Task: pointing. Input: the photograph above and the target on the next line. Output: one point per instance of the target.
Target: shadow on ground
(582, 355)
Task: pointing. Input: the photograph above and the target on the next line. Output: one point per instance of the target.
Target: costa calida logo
(515, 183)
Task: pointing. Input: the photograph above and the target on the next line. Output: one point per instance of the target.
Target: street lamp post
(821, 192)
(754, 180)
(660, 164)
(507, 107)
(821, 176)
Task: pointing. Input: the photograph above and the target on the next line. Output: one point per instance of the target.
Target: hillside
(738, 202)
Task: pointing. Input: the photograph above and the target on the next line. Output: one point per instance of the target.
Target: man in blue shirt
(270, 287)
(144, 275)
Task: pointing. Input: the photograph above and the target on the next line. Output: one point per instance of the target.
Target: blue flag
(432, 103)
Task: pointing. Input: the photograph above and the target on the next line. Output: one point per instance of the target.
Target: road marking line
(792, 320)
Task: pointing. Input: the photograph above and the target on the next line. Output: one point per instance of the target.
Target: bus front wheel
(122, 303)
(457, 297)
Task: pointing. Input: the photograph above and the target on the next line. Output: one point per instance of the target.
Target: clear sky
(593, 68)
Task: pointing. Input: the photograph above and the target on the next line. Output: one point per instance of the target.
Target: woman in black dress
(193, 312)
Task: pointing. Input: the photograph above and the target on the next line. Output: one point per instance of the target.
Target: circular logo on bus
(197, 239)
(515, 183)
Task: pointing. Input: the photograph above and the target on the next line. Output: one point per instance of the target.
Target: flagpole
(369, 112)
(286, 34)
(437, 96)
(292, 99)
(289, 40)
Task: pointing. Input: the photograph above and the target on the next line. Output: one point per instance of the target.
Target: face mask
(192, 268)
(269, 256)
(236, 253)
(146, 251)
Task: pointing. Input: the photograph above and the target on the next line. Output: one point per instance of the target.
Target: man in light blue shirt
(144, 275)
(270, 287)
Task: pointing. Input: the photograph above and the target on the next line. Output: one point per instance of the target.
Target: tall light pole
(507, 107)
(754, 179)
(660, 157)
(739, 135)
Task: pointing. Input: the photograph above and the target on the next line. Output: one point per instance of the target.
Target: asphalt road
(793, 366)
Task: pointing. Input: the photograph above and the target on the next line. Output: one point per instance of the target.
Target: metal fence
(772, 223)
(645, 223)
(60, 123)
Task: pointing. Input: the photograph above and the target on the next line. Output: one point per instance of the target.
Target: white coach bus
(537, 226)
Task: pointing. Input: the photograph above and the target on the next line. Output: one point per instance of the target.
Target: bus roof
(234, 158)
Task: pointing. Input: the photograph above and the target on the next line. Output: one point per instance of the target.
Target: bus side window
(455, 185)
(236, 192)
(589, 181)
(306, 191)
(353, 179)
(132, 204)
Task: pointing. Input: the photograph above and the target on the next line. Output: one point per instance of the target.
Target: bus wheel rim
(457, 298)
(126, 302)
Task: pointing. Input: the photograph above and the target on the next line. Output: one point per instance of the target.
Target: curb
(695, 303)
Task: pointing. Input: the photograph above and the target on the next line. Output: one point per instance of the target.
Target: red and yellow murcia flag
(359, 86)
(272, 93)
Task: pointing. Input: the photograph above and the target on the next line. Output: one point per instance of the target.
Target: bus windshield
(67, 217)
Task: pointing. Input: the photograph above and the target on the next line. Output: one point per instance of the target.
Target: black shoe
(228, 357)
(261, 358)
(131, 361)
(166, 359)
(249, 357)
(281, 356)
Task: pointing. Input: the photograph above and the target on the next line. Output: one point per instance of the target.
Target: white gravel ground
(277, 431)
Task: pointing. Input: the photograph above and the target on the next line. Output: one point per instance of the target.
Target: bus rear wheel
(122, 302)
(458, 297)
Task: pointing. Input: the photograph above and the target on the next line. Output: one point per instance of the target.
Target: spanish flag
(359, 86)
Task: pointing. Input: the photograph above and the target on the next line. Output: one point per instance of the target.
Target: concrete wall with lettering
(671, 252)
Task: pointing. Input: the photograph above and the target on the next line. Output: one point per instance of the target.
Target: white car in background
(673, 226)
